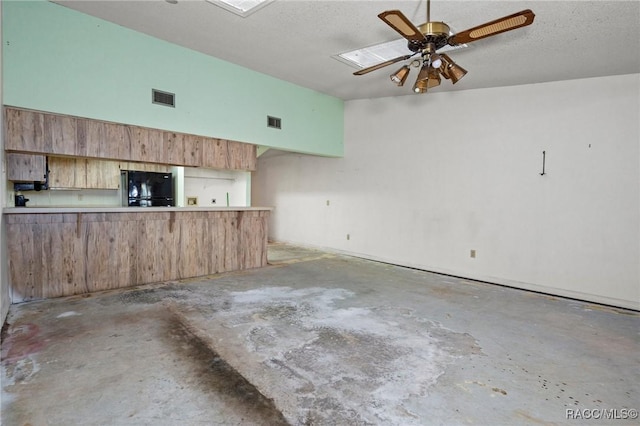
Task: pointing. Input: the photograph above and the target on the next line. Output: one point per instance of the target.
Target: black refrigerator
(147, 189)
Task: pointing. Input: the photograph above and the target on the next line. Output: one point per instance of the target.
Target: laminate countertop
(55, 210)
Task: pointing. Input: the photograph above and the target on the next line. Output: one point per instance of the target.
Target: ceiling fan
(426, 39)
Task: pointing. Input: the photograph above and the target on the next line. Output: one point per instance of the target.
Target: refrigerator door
(147, 189)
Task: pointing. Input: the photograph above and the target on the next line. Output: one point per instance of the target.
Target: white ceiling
(295, 40)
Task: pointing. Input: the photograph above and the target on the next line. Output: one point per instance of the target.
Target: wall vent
(274, 122)
(163, 98)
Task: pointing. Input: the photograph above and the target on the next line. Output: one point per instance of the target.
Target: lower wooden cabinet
(63, 254)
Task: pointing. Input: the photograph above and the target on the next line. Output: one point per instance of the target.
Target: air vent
(274, 122)
(163, 98)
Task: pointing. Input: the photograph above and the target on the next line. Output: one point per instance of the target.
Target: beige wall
(426, 179)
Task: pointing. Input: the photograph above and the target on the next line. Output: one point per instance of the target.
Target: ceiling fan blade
(382, 64)
(396, 20)
(507, 23)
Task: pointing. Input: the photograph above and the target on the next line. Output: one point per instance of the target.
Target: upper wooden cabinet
(83, 173)
(24, 131)
(61, 135)
(146, 145)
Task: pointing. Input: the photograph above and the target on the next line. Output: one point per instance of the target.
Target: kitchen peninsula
(63, 251)
(57, 252)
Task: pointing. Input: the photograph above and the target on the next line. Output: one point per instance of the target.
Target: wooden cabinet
(173, 148)
(62, 254)
(214, 153)
(64, 173)
(24, 130)
(61, 135)
(193, 150)
(241, 156)
(146, 145)
(102, 174)
(26, 167)
(83, 173)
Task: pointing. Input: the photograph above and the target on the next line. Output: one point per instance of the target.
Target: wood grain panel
(231, 241)
(24, 131)
(60, 133)
(253, 239)
(214, 153)
(62, 172)
(61, 254)
(118, 139)
(173, 148)
(35, 132)
(26, 167)
(241, 156)
(193, 155)
(92, 140)
(147, 145)
(102, 174)
(63, 245)
(110, 254)
(156, 251)
(26, 266)
(145, 167)
(194, 248)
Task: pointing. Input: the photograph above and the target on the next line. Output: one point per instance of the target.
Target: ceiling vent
(163, 98)
(274, 122)
(242, 8)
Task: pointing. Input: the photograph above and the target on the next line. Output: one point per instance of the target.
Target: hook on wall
(544, 155)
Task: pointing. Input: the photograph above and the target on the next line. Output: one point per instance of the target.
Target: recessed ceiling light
(372, 55)
(243, 8)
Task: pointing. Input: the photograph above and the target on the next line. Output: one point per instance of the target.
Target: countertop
(32, 210)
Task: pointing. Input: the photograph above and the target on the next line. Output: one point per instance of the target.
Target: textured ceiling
(295, 40)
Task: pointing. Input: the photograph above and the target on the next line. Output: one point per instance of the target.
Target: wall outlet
(328, 202)
(348, 237)
(192, 201)
(472, 253)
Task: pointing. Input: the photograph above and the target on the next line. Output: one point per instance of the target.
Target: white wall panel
(426, 179)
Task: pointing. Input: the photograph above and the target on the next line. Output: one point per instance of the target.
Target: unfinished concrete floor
(319, 339)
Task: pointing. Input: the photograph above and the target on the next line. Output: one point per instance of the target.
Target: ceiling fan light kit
(426, 39)
(400, 76)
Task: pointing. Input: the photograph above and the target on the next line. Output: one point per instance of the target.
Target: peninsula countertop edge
(57, 210)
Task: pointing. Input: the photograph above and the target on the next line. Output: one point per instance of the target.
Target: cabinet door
(117, 141)
(214, 153)
(65, 173)
(92, 140)
(174, 148)
(83, 173)
(24, 131)
(193, 150)
(102, 174)
(26, 167)
(60, 134)
(146, 145)
(242, 156)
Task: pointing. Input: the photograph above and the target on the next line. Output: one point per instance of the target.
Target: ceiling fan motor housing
(434, 32)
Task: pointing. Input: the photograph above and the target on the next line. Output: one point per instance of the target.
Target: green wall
(59, 60)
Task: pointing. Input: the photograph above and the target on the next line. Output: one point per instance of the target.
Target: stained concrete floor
(319, 339)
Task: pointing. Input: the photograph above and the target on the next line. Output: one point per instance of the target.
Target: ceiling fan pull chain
(544, 155)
